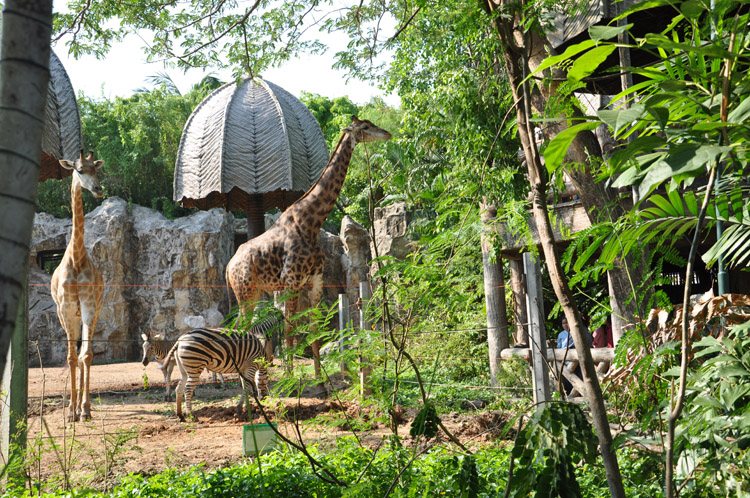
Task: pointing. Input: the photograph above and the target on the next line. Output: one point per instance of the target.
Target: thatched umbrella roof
(252, 146)
(61, 137)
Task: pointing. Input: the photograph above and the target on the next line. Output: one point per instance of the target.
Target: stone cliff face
(168, 276)
(156, 272)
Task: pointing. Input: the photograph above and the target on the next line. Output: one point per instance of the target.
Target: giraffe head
(85, 169)
(364, 131)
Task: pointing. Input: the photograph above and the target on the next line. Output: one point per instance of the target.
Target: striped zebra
(219, 352)
(156, 345)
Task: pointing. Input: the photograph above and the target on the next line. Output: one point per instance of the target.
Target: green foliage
(367, 473)
(547, 449)
(690, 117)
(426, 422)
(137, 137)
(713, 437)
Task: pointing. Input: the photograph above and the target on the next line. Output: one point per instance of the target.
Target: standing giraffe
(288, 255)
(77, 288)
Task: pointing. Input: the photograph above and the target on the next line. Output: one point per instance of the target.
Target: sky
(125, 69)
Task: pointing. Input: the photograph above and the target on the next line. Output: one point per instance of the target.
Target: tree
(508, 20)
(690, 118)
(24, 75)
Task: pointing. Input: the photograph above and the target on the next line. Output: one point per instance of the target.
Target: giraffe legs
(71, 323)
(89, 316)
(316, 293)
(290, 309)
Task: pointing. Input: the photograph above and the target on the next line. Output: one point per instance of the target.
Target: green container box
(265, 439)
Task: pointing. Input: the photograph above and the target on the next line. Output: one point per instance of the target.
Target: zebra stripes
(218, 352)
(155, 345)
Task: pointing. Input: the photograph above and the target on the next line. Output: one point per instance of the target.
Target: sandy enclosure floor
(133, 428)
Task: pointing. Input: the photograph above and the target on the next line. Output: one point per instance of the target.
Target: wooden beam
(599, 354)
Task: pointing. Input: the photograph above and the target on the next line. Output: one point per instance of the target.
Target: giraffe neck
(315, 206)
(78, 250)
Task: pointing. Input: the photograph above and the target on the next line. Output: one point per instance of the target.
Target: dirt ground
(134, 430)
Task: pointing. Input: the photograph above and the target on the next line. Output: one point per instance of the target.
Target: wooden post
(344, 325)
(364, 365)
(494, 293)
(256, 217)
(15, 385)
(618, 312)
(537, 332)
(518, 286)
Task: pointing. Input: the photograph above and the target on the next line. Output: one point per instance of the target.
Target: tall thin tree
(24, 76)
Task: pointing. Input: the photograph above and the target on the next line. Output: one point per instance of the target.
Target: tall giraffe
(288, 256)
(77, 288)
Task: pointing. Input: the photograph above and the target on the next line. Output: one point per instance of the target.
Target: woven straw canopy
(61, 137)
(251, 147)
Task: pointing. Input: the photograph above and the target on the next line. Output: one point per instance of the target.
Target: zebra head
(148, 346)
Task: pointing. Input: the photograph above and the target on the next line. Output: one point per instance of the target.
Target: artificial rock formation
(160, 275)
(156, 274)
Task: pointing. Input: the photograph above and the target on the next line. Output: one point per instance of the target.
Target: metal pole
(364, 366)
(344, 325)
(722, 277)
(537, 333)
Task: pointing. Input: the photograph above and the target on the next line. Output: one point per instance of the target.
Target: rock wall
(160, 275)
(390, 228)
(156, 272)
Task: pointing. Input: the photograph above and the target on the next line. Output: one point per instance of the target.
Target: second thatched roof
(248, 140)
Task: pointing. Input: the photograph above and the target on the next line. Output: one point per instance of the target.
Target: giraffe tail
(229, 292)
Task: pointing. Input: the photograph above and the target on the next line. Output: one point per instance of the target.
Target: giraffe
(288, 256)
(77, 288)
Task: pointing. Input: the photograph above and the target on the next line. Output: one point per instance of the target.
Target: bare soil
(134, 430)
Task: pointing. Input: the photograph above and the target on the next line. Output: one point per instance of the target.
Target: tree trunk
(601, 203)
(494, 293)
(515, 58)
(24, 76)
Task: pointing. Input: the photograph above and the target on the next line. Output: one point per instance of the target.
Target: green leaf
(569, 52)
(691, 202)
(692, 9)
(740, 113)
(714, 125)
(620, 118)
(665, 205)
(650, 4)
(589, 62)
(683, 161)
(425, 423)
(554, 154)
(660, 114)
(732, 371)
(676, 201)
(598, 33)
(666, 44)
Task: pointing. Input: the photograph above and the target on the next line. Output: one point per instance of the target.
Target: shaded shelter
(248, 146)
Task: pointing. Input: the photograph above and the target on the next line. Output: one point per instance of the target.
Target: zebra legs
(186, 388)
(257, 380)
(166, 369)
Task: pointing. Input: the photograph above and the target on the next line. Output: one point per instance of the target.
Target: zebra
(156, 345)
(219, 352)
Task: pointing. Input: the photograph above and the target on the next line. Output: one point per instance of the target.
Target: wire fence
(108, 412)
